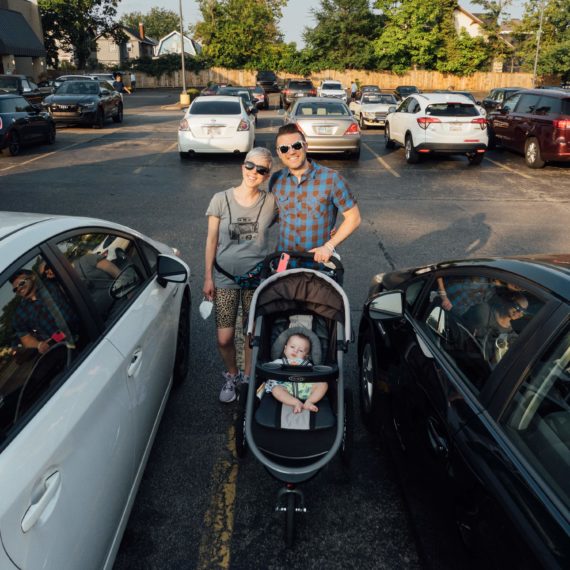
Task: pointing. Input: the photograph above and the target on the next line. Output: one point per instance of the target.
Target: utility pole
(184, 97)
(538, 36)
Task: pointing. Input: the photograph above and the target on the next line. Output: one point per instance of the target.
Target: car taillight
(481, 121)
(184, 125)
(352, 130)
(285, 91)
(561, 124)
(0, 122)
(425, 122)
(243, 126)
(313, 92)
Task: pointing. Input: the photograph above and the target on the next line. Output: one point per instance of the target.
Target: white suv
(331, 88)
(437, 122)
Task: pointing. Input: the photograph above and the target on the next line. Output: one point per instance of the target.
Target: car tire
(99, 119)
(118, 118)
(367, 387)
(182, 356)
(15, 145)
(532, 154)
(355, 155)
(362, 123)
(50, 137)
(475, 158)
(412, 155)
(389, 142)
(185, 155)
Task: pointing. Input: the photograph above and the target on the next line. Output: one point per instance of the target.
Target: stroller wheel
(239, 423)
(347, 438)
(290, 520)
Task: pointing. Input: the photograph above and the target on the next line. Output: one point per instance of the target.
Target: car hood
(70, 99)
(334, 91)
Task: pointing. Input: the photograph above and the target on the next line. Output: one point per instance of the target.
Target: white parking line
(382, 161)
(508, 168)
(155, 158)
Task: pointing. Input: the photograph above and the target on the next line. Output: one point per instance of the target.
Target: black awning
(17, 37)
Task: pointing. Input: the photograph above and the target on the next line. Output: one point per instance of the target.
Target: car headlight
(368, 115)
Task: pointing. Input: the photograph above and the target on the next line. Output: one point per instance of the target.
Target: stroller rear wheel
(239, 423)
(347, 438)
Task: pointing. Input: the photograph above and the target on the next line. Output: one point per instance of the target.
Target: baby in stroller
(299, 395)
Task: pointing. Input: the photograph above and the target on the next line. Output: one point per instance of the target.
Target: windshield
(9, 83)
(215, 108)
(332, 86)
(379, 99)
(78, 88)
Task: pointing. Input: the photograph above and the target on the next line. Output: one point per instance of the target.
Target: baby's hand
(308, 405)
(297, 408)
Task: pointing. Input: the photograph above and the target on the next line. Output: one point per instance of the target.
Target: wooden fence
(426, 80)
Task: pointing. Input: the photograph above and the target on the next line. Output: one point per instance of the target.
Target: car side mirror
(171, 269)
(391, 109)
(387, 305)
(281, 112)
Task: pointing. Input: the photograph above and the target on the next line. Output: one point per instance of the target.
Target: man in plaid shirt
(309, 197)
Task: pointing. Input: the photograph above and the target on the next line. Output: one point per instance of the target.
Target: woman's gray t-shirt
(245, 242)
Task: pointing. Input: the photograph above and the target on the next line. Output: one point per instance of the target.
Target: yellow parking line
(155, 158)
(218, 524)
(382, 161)
(508, 168)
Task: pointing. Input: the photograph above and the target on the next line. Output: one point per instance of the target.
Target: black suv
(267, 80)
(23, 85)
(497, 96)
(295, 88)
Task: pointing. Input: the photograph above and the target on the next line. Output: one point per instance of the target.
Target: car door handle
(136, 360)
(52, 484)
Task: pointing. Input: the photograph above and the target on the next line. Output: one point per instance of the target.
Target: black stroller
(295, 453)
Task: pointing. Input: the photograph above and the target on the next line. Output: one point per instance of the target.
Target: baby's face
(297, 347)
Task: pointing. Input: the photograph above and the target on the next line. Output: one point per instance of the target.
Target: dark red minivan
(535, 122)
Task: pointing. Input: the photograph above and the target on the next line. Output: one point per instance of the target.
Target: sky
(296, 15)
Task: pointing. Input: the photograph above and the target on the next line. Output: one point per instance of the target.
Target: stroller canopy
(303, 290)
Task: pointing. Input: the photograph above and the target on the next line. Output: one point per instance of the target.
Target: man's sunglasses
(20, 284)
(263, 170)
(284, 148)
(518, 308)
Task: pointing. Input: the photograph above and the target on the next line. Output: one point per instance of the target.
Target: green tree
(239, 33)
(341, 37)
(74, 24)
(495, 11)
(158, 22)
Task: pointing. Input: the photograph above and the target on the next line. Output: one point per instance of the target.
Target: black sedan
(497, 97)
(465, 370)
(85, 102)
(22, 123)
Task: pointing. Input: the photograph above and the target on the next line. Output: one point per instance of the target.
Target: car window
(511, 102)
(451, 110)
(332, 86)
(9, 83)
(414, 107)
(320, 109)
(215, 108)
(528, 103)
(150, 254)
(40, 337)
(549, 106)
(476, 320)
(300, 85)
(15, 105)
(110, 268)
(538, 419)
(413, 291)
(403, 108)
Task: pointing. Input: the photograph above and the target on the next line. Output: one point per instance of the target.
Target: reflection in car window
(528, 103)
(511, 102)
(215, 108)
(476, 320)
(549, 106)
(538, 418)
(39, 338)
(412, 292)
(452, 110)
(99, 260)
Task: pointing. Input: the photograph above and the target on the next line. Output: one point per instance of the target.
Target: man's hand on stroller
(323, 253)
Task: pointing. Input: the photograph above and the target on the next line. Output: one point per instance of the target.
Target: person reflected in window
(43, 315)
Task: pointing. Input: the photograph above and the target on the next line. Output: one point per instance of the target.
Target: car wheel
(475, 158)
(532, 155)
(50, 139)
(14, 146)
(389, 142)
(280, 103)
(362, 123)
(118, 118)
(367, 388)
(182, 358)
(412, 156)
(355, 155)
(99, 119)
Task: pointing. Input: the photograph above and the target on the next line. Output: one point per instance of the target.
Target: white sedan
(215, 124)
(94, 331)
(447, 123)
(371, 109)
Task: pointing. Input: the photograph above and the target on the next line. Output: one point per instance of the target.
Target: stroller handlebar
(334, 264)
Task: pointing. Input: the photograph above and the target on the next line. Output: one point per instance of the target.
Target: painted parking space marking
(155, 158)
(505, 167)
(382, 161)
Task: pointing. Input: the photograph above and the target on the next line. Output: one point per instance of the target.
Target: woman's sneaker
(228, 392)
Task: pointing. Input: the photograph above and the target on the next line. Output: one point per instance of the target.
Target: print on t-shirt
(243, 229)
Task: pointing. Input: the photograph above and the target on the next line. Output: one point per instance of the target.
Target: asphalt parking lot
(198, 507)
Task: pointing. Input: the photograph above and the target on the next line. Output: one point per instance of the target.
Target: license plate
(324, 130)
(212, 130)
(455, 127)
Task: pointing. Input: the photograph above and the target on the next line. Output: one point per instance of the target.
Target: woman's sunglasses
(518, 308)
(263, 170)
(284, 148)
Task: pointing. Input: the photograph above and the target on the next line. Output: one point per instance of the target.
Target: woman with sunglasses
(239, 219)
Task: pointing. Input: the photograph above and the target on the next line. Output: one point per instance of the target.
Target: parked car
(23, 85)
(267, 80)
(246, 97)
(402, 91)
(371, 109)
(480, 411)
(535, 122)
(84, 387)
(497, 96)
(213, 88)
(467, 94)
(22, 123)
(88, 102)
(328, 125)
(432, 122)
(367, 89)
(333, 89)
(215, 124)
(294, 89)
(259, 97)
